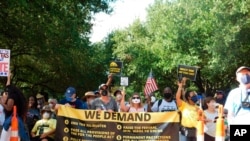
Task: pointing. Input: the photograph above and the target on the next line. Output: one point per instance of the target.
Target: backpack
(160, 101)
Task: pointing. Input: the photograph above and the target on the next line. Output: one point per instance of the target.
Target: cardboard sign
(187, 71)
(4, 62)
(115, 67)
(124, 81)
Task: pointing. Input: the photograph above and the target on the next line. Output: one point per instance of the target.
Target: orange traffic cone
(200, 126)
(14, 126)
(220, 128)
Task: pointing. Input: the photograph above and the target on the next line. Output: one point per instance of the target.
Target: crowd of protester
(39, 118)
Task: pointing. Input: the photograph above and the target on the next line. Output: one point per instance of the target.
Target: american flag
(151, 85)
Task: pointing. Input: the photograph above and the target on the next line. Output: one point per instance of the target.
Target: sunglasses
(135, 97)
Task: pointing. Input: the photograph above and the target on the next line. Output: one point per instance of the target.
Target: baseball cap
(46, 108)
(219, 92)
(102, 85)
(70, 91)
(241, 68)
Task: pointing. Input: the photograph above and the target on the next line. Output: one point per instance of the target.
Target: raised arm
(8, 79)
(110, 77)
(123, 107)
(180, 90)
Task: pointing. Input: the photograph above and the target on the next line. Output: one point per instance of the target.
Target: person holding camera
(105, 102)
(238, 100)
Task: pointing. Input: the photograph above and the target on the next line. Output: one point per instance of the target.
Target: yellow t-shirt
(44, 126)
(189, 114)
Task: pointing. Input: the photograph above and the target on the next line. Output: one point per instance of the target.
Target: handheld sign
(187, 71)
(4, 62)
(124, 81)
(115, 67)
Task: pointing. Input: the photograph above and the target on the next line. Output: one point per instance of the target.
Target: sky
(125, 12)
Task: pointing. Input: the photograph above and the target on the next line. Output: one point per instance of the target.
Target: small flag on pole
(151, 85)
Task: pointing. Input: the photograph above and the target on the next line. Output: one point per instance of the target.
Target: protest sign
(4, 62)
(81, 125)
(115, 67)
(124, 81)
(187, 71)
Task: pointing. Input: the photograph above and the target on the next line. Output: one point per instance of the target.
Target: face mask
(136, 101)
(118, 97)
(69, 99)
(91, 101)
(46, 115)
(153, 99)
(194, 98)
(51, 105)
(167, 95)
(104, 92)
(245, 79)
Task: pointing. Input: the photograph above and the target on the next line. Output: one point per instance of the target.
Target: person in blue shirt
(70, 99)
(237, 102)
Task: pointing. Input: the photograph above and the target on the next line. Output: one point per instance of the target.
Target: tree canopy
(212, 35)
(49, 43)
(51, 50)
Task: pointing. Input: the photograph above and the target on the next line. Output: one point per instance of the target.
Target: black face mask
(104, 93)
(167, 95)
(194, 98)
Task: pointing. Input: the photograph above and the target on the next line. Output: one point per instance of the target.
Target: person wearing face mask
(238, 99)
(220, 97)
(136, 104)
(211, 115)
(52, 103)
(189, 112)
(71, 99)
(105, 102)
(44, 129)
(167, 103)
(89, 98)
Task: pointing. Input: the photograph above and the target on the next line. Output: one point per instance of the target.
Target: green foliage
(212, 35)
(49, 43)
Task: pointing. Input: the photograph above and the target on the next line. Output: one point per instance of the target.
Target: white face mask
(91, 101)
(46, 115)
(136, 100)
(51, 105)
(119, 97)
(153, 99)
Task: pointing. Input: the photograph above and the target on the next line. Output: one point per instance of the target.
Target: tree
(49, 42)
(207, 34)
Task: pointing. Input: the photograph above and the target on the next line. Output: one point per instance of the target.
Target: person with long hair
(135, 103)
(14, 98)
(33, 113)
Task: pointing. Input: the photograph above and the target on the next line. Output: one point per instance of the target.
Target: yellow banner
(90, 125)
